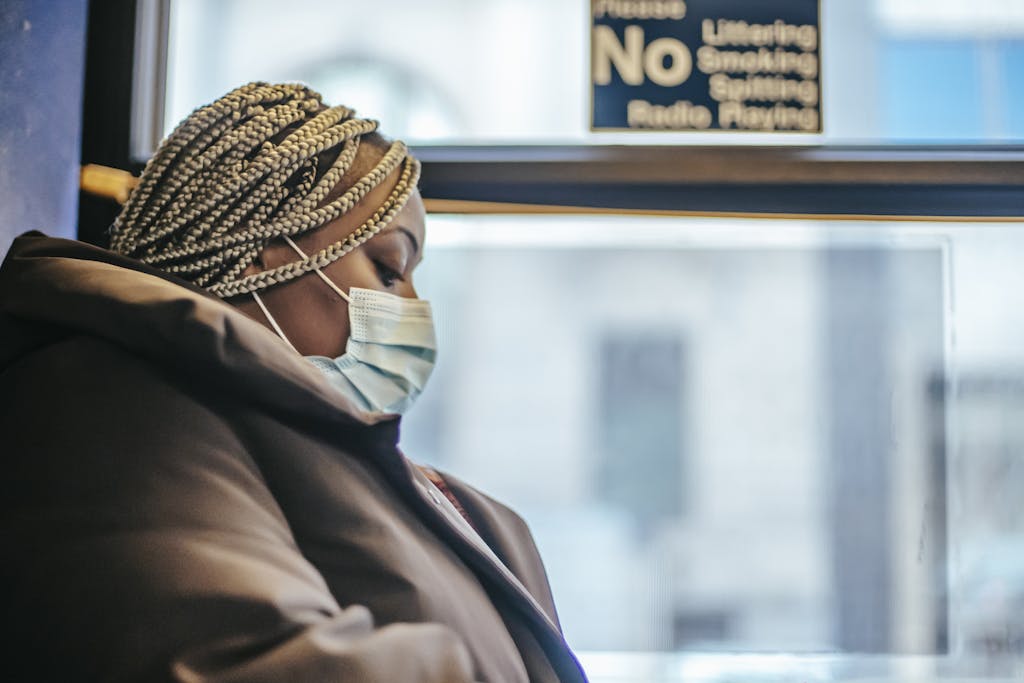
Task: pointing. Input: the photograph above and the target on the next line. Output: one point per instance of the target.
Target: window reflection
(744, 436)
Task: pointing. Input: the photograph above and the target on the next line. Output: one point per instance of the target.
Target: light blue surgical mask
(390, 352)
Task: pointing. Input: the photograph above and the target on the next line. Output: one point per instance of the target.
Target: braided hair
(262, 162)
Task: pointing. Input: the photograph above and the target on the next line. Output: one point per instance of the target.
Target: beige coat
(186, 499)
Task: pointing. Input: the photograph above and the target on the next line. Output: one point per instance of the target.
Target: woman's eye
(387, 275)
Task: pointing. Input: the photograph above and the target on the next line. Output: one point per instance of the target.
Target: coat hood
(52, 289)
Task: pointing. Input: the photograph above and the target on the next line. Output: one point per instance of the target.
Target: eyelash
(387, 275)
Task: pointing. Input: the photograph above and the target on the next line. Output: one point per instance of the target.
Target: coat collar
(50, 288)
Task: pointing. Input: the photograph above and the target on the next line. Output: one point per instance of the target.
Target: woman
(206, 492)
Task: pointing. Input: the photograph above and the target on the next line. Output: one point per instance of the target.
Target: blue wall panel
(42, 54)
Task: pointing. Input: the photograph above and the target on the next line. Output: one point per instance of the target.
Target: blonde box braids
(243, 171)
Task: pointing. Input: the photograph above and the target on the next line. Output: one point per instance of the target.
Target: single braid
(245, 170)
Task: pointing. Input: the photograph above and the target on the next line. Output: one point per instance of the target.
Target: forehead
(408, 224)
(411, 217)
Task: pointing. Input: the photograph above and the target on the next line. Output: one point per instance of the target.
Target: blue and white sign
(704, 65)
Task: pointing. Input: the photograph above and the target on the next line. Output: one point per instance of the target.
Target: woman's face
(312, 315)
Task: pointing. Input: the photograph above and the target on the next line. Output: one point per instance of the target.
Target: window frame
(965, 182)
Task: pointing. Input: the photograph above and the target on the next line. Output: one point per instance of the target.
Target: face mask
(390, 351)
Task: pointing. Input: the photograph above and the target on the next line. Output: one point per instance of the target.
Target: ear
(275, 253)
(257, 266)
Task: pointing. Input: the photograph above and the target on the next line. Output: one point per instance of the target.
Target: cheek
(337, 337)
(354, 270)
(319, 320)
(330, 319)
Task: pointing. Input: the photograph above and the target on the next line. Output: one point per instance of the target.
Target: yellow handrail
(105, 181)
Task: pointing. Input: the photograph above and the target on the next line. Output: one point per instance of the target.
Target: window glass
(472, 71)
(748, 449)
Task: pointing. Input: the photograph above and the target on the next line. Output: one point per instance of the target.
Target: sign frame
(795, 134)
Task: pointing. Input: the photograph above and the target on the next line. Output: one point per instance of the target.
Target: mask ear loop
(323, 277)
(273, 323)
